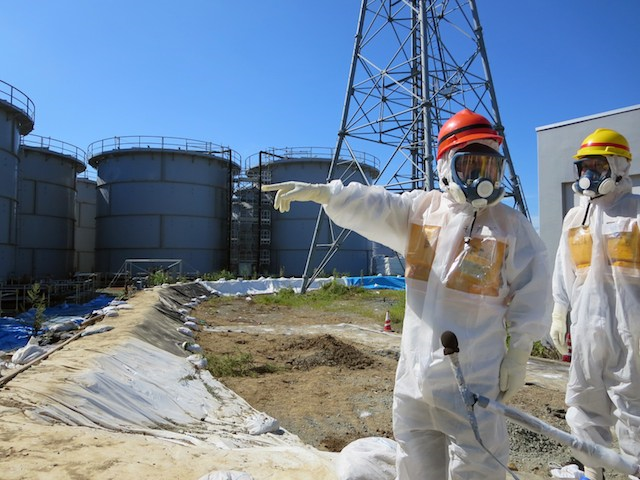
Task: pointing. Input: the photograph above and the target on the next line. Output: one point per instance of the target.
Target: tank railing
(17, 99)
(15, 298)
(90, 174)
(58, 146)
(162, 143)
(278, 154)
(12, 298)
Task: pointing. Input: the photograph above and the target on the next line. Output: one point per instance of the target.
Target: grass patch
(221, 275)
(239, 364)
(334, 297)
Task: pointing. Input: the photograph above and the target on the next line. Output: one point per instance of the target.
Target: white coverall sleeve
(562, 275)
(528, 312)
(372, 211)
(562, 283)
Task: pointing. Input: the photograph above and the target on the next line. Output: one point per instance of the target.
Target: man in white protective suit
(597, 278)
(474, 266)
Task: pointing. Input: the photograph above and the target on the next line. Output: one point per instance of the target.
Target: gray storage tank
(162, 198)
(85, 232)
(18, 116)
(292, 232)
(46, 208)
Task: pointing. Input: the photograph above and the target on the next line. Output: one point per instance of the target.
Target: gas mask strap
(467, 238)
(586, 213)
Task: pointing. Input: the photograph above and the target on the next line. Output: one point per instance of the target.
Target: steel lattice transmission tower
(415, 63)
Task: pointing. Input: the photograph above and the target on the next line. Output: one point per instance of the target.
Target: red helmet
(464, 127)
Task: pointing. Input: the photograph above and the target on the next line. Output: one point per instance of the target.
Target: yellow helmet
(604, 142)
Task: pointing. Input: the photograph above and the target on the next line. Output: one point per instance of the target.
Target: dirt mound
(327, 351)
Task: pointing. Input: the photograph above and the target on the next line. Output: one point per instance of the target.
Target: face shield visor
(593, 176)
(479, 175)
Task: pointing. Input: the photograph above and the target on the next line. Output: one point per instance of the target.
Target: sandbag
(369, 458)
(260, 423)
(29, 352)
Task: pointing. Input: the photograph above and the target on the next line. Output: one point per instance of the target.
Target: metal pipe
(588, 452)
(450, 344)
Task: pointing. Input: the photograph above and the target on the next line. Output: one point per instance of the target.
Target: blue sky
(257, 74)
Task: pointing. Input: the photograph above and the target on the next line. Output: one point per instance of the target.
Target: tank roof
(274, 156)
(101, 148)
(20, 104)
(48, 144)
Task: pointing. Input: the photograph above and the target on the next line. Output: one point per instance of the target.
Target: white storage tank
(292, 232)
(46, 208)
(17, 118)
(386, 261)
(162, 198)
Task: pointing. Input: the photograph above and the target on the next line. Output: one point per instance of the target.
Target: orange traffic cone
(387, 323)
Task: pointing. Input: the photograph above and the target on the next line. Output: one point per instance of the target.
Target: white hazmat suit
(597, 279)
(480, 273)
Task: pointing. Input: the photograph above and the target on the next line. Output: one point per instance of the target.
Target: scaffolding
(138, 271)
(250, 226)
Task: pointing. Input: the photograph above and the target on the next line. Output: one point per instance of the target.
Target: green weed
(239, 364)
(221, 275)
(38, 301)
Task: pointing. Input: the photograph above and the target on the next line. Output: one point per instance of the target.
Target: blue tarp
(376, 282)
(15, 331)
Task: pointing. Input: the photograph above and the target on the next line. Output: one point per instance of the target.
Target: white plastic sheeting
(139, 387)
(261, 285)
(133, 379)
(136, 385)
(140, 376)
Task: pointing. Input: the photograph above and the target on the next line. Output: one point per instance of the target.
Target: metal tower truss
(415, 63)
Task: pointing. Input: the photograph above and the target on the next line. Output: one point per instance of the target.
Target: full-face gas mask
(594, 176)
(476, 175)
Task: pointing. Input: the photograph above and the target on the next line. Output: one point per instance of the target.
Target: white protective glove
(513, 371)
(288, 192)
(558, 330)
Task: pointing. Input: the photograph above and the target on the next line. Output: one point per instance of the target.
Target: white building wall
(557, 143)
